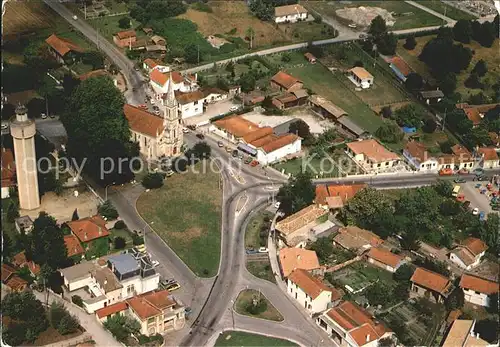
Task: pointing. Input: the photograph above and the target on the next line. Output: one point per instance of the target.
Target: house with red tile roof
(125, 38)
(11, 281)
(297, 258)
(335, 196)
(429, 284)
(119, 308)
(20, 261)
(160, 79)
(477, 290)
(384, 259)
(489, 157)
(89, 231)
(461, 334)
(157, 312)
(475, 113)
(419, 158)
(8, 172)
(61, 48)
(349, 325)
(371, 156)
(73, 247)
(285, 82)
(311, 292)
(468, 254)
(400, 67)
(356, 239)
(360, 77)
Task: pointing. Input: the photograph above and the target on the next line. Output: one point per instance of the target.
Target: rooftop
(62, 46)
(257, 134)
(236, 125)
(111, 309)
(142, 121)
(189, 97)
(73, 245)
(474, 245)
(373, 150)
(401, 65)
(24, 222)
(361, 72)
(311, 285)
(90, 228)
(124, 263)
(488, 153)
(287, 10)
(279, 142)
(78, 271)
(151, 304)
(431, 280)
(431, 94)
(125, 34)
(478, 284)
(7, 271)
(20, 260)
(285, 80)
(297, 258)
(345, 192)
(461, 334)
(161, 78)
(300, 219)
(357, 239)
(385, 257)
(347, 122)
(150, 63)
(417, 150)
(106, 279)
(476, 112)
(329, 106)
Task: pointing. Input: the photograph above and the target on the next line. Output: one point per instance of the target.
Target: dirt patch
(395, 106)
(364, 15)
(26, 16)
(229, 15)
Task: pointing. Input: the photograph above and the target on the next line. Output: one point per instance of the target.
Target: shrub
(77, 300)
(124, 23)
(256, 307)
(317, 18)
(410, 43)
(137, 240)
(153, 180)
(120, 224)
(120, 242)
(68, 324)
(202, 7)
(107, 210)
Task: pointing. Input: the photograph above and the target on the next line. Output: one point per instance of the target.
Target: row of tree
(484, 33)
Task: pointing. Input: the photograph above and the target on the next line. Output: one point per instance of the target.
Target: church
(157, 136)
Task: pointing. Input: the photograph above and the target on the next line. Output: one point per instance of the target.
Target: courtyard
(186, 214)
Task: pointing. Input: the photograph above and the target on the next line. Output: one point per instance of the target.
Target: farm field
(484, 53)
(186, 214)
(441, 7)
(403, 19)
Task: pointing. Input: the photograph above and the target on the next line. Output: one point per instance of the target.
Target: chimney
(85, 236)
(298, 257)
(100, 230)
(368, 338)
(105, 281)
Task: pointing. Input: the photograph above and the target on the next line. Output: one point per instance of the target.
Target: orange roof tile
(189, 97)
(478, 284)
(311, 285)
(257, 134)
(488, 153)
(281, 11)
(95, 73)
(150, 304)
(285, 80)
(111, 309)
(321, 194)
(161, 78)
(264, 140)
(475, 112)
(417, 150)
(88, 229)
(345, 192)
(474, 245)
(20, 260)
(297, 258)
(355, 238)
(125, 34)
(62, 46)
(364, 334)
(280, 142)
(7, 271)
(142, 121)
(373, 150)
(401, 65)
(8, 168)
(16, 283)
(385, 257)
(300, 219)
(361, 72)
(150, 63)
(73, 245)
(431, 280)
(236, 125)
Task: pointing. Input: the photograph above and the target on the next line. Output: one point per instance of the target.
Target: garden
(253, 303)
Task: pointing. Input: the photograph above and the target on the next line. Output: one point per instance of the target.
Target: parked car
(152, 101)
(466, 203)
(228, 149)
(191, 127)
(475, 211)
(220, 144)
(157, 112)
(482, 216)
(352, 25)
(187, 312)
(248, 160)
(5, 126)
(235, 153)
(173, 286)
(169, 173)
(277, 204)
(445, 172)
(480, 178)
(43, 115)
(156, 108)
(251, 251)
(478, 171)
(240, 156)
(254, 163)
(155, 263)
(165, 282)
(200, 136)
(233, 108)
(75, 17)
(459, 180)
(463, 172)
(263, 250)
(185, 130)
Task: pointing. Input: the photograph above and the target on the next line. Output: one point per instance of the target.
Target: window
(196, 102)
(477, 293)
(151, 320)
(386, 163)
(378, 165)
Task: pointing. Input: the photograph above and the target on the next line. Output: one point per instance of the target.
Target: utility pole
(198, 53)
(85, 9)
(444, 119)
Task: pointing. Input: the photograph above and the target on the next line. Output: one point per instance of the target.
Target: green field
(406, 16)
(186, 213)
(246, 297)
(108, 26)
(261, 269)
(445, 9)
(238, 338)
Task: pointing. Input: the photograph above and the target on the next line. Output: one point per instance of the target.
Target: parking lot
(472, 192)
(212, 110)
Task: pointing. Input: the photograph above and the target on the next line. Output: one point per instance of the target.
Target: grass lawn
(406, 16)
(252, 237)
(238, 338)
(186, 213)
(81, 68)
(108, 26)
(441, 7)
(245, 299)
(411, 57)
(306, 31)
(332, 86)
(125, 233)
(261, 269)
(360, 275)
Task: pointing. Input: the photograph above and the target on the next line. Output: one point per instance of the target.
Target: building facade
(290, 13)
(478, 291)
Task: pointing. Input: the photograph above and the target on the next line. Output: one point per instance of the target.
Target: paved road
(135, 93)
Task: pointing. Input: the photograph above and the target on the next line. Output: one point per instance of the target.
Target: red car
(254, 163)
(463, 172)
(445, 172)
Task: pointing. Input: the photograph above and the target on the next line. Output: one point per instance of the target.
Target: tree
(414, 81)
(262, 10)
(378, 28)
(93, 58)
(377, 294)
(12, 211)
(7, 246)
(47, 244)
(386, 111)
(443, 56)
(386, 342)
(408, 116)
(448, 83)
(389, 132)
(285, 57)
(481, 68)
(410, 43)
(250, 35)
(247, 82)
(124, 23)
(488, 232)
(201, 150)
(68, 324)
(365, 208)
(410, 241)
(122, 327)
(473, 82)
(120, 242)
(462, 31)
(387, 44)
(192, 54)
(488, 34)
(404, 273)
(153, 180)
(75, 215)
(107, 210)
(8, 111)
(300, 128)
(98, 132)
(430, 126)
(455, 300)
(323, 247)
(298, 193)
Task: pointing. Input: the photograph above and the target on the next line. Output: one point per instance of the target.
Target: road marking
(237, 177)
(238, 210)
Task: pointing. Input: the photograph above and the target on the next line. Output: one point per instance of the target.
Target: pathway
(434, 13)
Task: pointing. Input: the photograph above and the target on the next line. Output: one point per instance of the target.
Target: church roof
(142, 121)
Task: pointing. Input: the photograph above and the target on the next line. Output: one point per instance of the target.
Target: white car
(75, 17)
(263, 250)
(152, 101)
(185, 130)
(43, 115)
(155, 263)
(157, 112)
(475, 211)
(5, 126)
(277, 204)
(234, 108)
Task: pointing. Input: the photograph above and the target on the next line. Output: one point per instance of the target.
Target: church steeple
(170, 99)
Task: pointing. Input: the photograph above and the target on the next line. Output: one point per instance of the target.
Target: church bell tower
(172, 122)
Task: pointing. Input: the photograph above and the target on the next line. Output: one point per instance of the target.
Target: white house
(468, 254)
(149, 65)
(462, 334)
(190, 103)
(279, 147)
(384, 259)
(477, 290)
(489, 158)
(290, 13)
(310, 292)
(160, 81)
(371, 156)
(417, 156)
(360, 77)
(351, 326)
